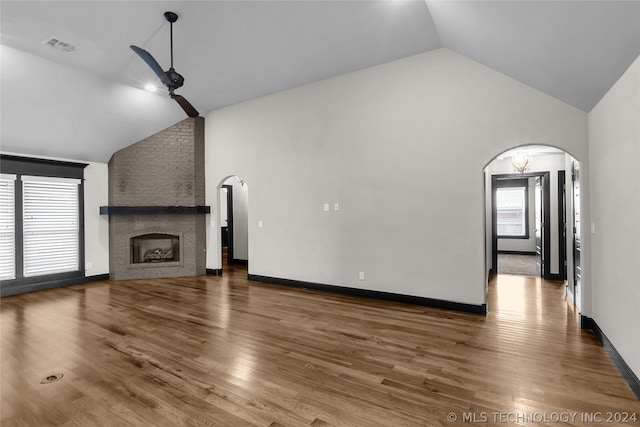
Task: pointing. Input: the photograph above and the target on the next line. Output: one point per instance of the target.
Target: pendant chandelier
(521, 161)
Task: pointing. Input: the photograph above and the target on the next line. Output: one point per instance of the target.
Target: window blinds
(50, 225)
(7, 227)
(511, 207)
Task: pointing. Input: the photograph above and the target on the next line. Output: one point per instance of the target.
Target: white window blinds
(7, 227)
(511, 207)
(50, 225)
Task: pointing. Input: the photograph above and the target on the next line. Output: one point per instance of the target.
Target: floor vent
(51, 378)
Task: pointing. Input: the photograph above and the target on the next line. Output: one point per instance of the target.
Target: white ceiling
(228, 51)
(571, 50)
(231, 51)
(533, 150)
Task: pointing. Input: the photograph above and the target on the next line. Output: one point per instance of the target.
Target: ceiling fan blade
(186, 106)
(152, 63)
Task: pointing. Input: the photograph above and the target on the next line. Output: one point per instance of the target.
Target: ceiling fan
(170, 78)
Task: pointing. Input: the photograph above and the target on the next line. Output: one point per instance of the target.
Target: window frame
(515, 183)
(10, 199)
(20, 166)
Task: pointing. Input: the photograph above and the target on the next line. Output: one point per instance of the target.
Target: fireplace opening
(155, 248)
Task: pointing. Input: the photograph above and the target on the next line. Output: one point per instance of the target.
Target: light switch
(336, 207)
(259, 224)
(326, 207)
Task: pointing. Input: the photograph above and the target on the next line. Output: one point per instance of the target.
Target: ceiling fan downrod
(171, 18)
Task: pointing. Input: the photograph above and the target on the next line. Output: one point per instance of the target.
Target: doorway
(233, 202)
(520, 212)
(554, 199)
(226, 224)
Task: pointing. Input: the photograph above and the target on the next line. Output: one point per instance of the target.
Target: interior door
(539, 227)
(577, 243)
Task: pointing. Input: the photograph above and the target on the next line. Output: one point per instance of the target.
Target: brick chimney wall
(165, 169)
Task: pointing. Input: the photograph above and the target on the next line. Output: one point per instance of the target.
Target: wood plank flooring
(222, 351)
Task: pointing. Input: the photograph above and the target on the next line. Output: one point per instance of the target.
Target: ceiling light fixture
(150, 87)
(521, 161)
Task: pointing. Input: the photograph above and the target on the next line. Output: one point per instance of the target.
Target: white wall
(614, 144)
(223, 207)
(568, 163)
(381, 142)
(240, 221)
(96, 226)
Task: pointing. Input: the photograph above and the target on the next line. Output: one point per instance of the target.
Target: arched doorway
(233, 203)
(532, 213)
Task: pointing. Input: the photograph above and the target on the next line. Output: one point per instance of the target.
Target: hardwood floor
(222, 351)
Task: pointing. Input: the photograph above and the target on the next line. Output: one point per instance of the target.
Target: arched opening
(232, 212)
(532, 218)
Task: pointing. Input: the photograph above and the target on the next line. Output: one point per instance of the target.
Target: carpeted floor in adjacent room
(515, 264)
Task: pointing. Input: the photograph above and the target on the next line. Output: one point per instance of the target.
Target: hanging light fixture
(521, 161)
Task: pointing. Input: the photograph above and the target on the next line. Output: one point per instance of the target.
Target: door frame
(576, 230)
(546, 216)
(562, 226)
(229, 189)
(540, 256)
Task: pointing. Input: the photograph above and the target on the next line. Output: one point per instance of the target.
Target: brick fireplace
(156, 205)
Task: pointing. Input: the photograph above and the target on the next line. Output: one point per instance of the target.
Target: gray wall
(381, 142)
(166, 168)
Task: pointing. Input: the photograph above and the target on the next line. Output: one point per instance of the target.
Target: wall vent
(60, 45)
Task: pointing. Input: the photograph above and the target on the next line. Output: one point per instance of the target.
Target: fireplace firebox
(154, 248)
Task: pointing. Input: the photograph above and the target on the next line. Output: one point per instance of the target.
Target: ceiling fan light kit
(170, 78)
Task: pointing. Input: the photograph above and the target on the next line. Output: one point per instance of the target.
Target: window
(7, 227)
(41, 223)
(50, 225)
(511, 205)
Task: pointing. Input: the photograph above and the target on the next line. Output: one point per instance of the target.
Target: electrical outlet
(362, 275)
(326, 207)
(336, 207)
(259, 224)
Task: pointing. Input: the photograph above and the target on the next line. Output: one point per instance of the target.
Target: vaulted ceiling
(231, 51)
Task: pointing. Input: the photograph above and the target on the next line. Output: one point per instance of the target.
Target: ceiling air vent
(60, 45)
